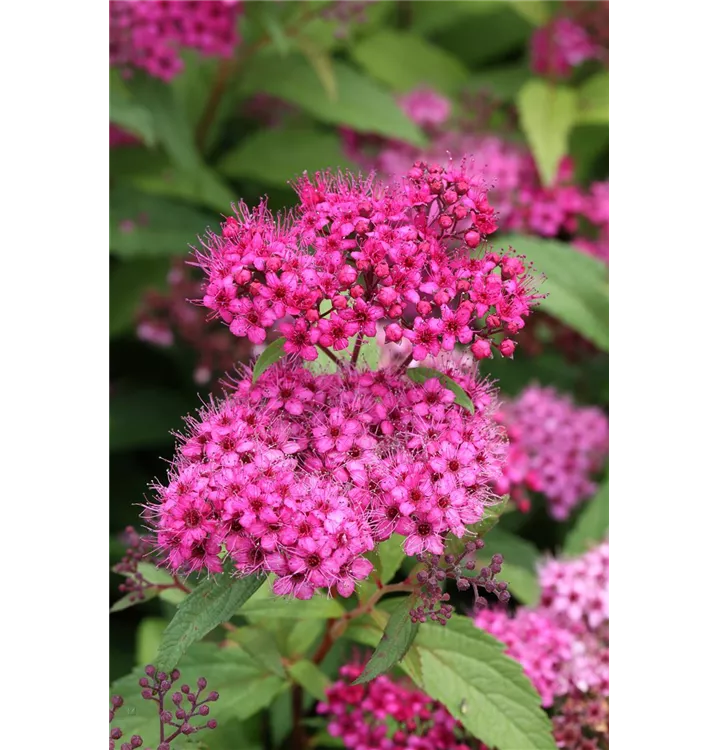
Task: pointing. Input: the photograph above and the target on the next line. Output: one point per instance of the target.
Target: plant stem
(357, 348)
(330, 354)
(299, 737)
(335, 628)
(405, 364)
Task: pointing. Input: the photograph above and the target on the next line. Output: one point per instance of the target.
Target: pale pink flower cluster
(389, 714)
(557, 447)
(300, 475)
(522, 202)
(562, 644)
(358, 251)
(426, 107)
(147, 35)
(560, 46)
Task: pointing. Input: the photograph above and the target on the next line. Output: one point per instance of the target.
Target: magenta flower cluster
(357, 251)
(556, 446)
(522, 202)
(562, 644)
(388, 714)
(559, 47)
(150, 36)
(301, 475)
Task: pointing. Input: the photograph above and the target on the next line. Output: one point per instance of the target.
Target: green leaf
(214, 601)
(389, 556)
(311, 678)
(129, 282)
(276, 156)
(593, 100)
(398, 636)
(302, 635)
(200, 185)
(361, 103)
(273, 353)
(432, 17)
(405, 61)
(129, 114)
(261, 645)
(535, 12)
(322, 64)
(504, 82)
(143, 225)
(591, 526)
(466, 670)
(244, 688)
(147, 640)
(492, 514)
(422, 374)
(576, 285)
(293, 609)
(143, 417)
(547, 113)
(130, 601)
(500, 34)
(519, 566)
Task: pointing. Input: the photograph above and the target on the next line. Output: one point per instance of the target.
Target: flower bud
(472, 238)
(506, 347)
(481, 349)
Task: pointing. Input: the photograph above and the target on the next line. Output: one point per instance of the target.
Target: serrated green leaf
(361, 103)
(129, 114)
(129, 600)
(243, 686)
(276, 156)
(405, 61)
(398, 636)
(273, 353)
(422, 374)
(214, 601)
(547, 114)
(466, 670)
(311, 678)
(591, 526)
(593, 100)
(576, 285)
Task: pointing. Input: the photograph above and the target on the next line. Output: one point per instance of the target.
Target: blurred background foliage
(304, 75)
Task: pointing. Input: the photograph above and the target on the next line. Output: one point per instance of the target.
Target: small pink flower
(301, 339)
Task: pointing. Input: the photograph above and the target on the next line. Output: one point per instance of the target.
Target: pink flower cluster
(559, 47)
(164, 318)
(575, 591)
(562, 644)
(149, 36)
(426, 107)
(300, 475)
(555, 448)
(357, 251)
(517, 194)
(387, 714)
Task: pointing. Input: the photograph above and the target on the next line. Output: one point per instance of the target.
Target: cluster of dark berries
(457, 567)
(157, 687)
(137, 551)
